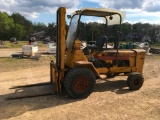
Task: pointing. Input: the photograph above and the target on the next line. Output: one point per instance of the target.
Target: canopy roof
(103, 12)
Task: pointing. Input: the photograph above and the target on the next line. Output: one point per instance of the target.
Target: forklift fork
(31, 96)
(31, 85)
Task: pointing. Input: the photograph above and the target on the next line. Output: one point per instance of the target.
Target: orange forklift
(77, 72)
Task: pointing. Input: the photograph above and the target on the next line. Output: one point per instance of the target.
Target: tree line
(16, 25)
(90, 31)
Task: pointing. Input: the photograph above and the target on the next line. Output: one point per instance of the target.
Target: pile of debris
(154, 51)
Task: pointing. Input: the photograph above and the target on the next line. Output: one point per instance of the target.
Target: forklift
(77, 72)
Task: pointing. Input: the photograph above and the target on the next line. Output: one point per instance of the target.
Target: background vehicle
(32, 39)
(13, 39)
(46, 40)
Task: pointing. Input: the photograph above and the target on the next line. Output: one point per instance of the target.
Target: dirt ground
(111, 99)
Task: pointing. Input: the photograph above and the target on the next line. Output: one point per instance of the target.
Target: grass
(7, 44)
(156, 45)
(8, 60)
(12, 64)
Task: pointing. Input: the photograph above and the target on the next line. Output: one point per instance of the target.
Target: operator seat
(100, 41)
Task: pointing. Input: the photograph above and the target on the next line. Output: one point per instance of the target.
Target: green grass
(7, 44)
(155, 45)
(12, 64)
(8, 60)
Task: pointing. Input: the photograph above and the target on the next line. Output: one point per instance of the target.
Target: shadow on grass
(16, 107)
(117, 86)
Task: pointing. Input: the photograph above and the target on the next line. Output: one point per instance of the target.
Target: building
(146, 38)
(134, 37)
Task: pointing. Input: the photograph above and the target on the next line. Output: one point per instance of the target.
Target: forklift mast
(60, 39)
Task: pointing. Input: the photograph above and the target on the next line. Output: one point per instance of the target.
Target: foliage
(18, 26)
(39, 26)
(51, 30)
(6, 23)
(28, 26)
(17, 30)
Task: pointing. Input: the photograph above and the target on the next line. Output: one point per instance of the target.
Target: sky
(144, 11)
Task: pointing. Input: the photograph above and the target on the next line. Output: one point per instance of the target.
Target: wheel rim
(136, 81)
(81, 84)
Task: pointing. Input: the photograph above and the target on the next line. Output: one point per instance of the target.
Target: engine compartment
(108, 63)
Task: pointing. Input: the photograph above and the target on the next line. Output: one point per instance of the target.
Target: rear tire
(79, 82)
(135, 81)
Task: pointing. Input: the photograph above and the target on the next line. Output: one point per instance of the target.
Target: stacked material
(51, 48)
(154, 51)
(29, 50)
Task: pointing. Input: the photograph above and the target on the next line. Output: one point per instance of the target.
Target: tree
(28, 26)
(39, 26)
(6, 23)
(51, 30)
(126, 28)
(17, 31)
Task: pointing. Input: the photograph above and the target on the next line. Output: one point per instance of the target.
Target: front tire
(135, 81)
(79, 82)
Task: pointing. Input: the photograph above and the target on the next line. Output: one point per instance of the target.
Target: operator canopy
(112, 17)
(103, 12)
